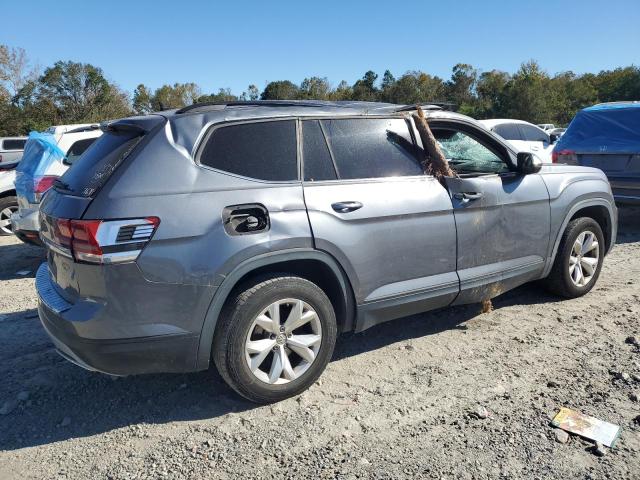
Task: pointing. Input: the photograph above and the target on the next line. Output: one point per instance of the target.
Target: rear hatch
(77, 248)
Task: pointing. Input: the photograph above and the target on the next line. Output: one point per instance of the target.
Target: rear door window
(371, 147)
(77, 149)
(260, 150)
(98, 162)
(13, 144)
(508, 131)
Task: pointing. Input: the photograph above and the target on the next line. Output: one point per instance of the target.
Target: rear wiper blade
(60, 185)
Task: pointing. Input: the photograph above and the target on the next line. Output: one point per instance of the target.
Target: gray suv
(249, 234)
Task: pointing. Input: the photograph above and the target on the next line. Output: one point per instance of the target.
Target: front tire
(275, 338)
(579, 259)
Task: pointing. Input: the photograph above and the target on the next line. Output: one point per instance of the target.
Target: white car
(524, 136)
(8, 200)
(546, 126)
(47, 156)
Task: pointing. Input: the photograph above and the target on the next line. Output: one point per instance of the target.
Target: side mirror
(528, 163)
(553, 138)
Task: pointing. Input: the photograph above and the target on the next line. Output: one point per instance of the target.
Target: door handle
(346, 207)
(466, 196)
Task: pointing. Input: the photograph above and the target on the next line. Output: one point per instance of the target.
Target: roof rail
(256, 103)
(426, 106)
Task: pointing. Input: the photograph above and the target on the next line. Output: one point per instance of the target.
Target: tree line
(32, 98)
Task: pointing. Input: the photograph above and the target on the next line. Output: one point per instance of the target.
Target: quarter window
(508, 131)
(77, 149)
(533, 134)
(261, 150)
(371, 147)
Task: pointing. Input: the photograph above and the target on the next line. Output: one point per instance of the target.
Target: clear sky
(235, 43)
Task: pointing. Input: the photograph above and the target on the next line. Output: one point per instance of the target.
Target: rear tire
(578, 261)
(274, 338)
(8, 205)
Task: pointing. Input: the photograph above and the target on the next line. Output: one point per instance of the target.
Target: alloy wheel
(283, 341)
(5, 219)
(584, 258)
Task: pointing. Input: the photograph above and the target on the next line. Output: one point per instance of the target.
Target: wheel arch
(8, 193)
(601, 210)
(313, 265)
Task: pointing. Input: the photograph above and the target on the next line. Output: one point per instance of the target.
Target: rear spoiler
(140, 125)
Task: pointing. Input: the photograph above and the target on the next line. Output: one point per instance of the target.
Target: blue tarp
(607, 128)
(40, 152)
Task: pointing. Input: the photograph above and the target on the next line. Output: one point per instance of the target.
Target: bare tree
(15, 69)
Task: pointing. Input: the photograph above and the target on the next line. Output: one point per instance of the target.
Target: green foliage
(280, 90)
(70, 92)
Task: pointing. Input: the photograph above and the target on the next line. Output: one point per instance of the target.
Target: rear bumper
(122, 356)
(26, 223)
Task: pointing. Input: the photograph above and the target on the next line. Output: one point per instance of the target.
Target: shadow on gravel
(64, 401)
(628, 224)
(432, 323)
(20, 257)
(53, 400)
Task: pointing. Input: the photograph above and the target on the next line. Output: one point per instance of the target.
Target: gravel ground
(402, 400)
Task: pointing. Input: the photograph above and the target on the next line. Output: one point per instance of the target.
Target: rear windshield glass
(98, 162)
(13, 144)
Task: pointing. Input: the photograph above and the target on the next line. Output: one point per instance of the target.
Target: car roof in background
(493, 122)
(612, 106)
(78, 127)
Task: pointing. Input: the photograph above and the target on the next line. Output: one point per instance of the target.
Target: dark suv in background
(252, 233)
(606, 136)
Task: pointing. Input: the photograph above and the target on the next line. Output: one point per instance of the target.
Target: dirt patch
(447, 394)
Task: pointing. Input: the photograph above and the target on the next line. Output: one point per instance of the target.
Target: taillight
(84, 240)
(99, 241)
(564, 156)
(42, 184)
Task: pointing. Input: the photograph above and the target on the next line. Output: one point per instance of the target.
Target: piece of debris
(631, 340)
(481, 412)
(599, 449)
(623, 376)
(586, 426)
(633, 397)
(561, 436)
(487, 306)
(23, 396)
(553, 384)
(23, 272)
(66, 421)
(635, 377)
